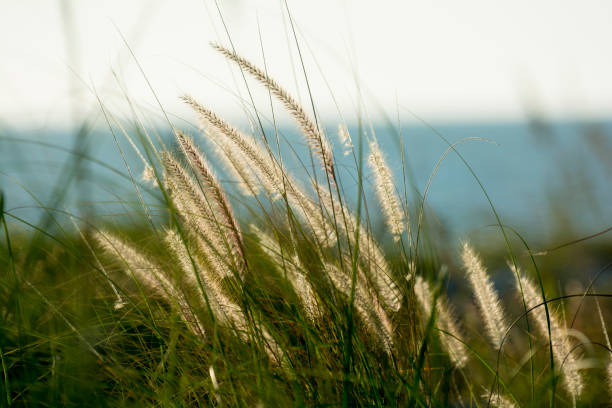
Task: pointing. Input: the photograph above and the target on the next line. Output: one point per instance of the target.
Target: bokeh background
(531, 79)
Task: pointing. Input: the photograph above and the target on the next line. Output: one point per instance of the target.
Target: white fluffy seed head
(220, 205)
(445, 322)
(380, 271)
(303, 288)
(498, 401)
(175, 244)
(150, 276)
(245, 151)
(385, 191)
(146, 272)
(148, 175)
(213, 378)
(345, 139)
(194, 205)
(565, 359)
(487, 299)
(256, 168)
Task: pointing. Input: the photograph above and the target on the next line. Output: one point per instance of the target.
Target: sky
(444, 60)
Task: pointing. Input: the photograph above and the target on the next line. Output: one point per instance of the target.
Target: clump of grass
(326, 262)
(301, 302)
(345, 270)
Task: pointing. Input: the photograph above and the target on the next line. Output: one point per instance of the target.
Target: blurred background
(533, 79)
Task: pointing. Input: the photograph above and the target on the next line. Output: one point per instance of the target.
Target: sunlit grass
(298, 301)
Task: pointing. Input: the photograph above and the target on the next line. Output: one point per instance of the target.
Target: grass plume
(486, 297)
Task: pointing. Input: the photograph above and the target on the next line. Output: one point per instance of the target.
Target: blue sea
(541, 178)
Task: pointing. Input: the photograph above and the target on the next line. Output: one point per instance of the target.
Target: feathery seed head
(445, 322)
(246, 152)
(221, 204)
(147, 273)
(316, 139)
(498, 401)
(345, 139)
(151, 276)
(565, 359)
(149, 175)
(487, 299)
(385, 191)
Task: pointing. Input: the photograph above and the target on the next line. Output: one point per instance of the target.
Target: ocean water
(541, 179)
